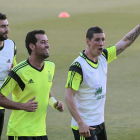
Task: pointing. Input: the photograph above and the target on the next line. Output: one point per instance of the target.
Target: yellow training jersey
(25, 82)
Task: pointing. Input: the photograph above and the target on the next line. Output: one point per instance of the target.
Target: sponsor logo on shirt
(98, 93)
(30, 81)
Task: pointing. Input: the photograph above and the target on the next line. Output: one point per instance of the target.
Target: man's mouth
(6, 33)
(100, 49)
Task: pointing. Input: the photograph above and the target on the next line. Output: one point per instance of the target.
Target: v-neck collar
(34, 67)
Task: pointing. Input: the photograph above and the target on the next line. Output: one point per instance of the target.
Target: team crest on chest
(49, 76)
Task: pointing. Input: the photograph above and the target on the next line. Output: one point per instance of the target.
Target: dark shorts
(98, 134)
(27, 138)
(2, 111)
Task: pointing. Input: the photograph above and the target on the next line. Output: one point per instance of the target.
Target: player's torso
(94, 78)
(6, 59)
(35, 82)
(90, 98)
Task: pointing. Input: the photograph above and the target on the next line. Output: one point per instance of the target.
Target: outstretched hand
(31, 105)
(59, 106)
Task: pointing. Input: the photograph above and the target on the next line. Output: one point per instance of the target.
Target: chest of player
(94, 77)
(35, 80)
(6, 59)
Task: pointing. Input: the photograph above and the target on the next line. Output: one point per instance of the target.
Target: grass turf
(67, 39)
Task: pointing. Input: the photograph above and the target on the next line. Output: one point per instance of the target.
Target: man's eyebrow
(3, 25)
(44, 40)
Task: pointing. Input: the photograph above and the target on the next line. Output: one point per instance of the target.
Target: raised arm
(69, 99)
(30, 106)
(127, 40)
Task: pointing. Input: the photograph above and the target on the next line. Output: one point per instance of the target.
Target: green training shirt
(25, 82)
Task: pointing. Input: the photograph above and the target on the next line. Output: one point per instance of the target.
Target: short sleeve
(74, 76)
(110, 53)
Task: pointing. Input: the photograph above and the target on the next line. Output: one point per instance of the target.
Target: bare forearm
(8, 104)
(128, 39)
(29, 106)
(132, 35)
(73, 109)
(51, 94)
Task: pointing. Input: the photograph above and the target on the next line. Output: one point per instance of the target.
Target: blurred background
(67, 38)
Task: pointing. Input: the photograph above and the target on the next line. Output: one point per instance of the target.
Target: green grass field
(67, 39)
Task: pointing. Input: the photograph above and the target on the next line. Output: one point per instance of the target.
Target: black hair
(31, 38)
(3, 16)
(92, 30)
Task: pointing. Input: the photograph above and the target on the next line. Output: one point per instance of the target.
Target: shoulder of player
(49, 62)
(107, 50)
(19, 67)
(9, 41)
(105, 53)
(75, 66)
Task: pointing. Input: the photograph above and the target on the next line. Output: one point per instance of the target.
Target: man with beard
(7, 57)
(30, 82)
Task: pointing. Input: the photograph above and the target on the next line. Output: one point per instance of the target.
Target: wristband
(52, 101)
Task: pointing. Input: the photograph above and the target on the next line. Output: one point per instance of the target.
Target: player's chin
(47, 55)
(100, 52)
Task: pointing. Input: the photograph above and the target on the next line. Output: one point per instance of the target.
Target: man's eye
(97, 40)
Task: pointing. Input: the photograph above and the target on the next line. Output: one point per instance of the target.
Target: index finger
(34, 102)
(88, 134)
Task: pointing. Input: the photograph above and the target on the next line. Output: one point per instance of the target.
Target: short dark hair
(92, 30)
(31, 38)
(3, 16)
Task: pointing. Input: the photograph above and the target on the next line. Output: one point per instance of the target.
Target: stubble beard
(47, 56)
(2, 38)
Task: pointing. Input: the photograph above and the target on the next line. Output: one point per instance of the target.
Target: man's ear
(87, 41)
(32, 46)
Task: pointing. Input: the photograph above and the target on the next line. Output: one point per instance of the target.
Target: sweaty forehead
(41, 37)
(99, 35)
(3, 22)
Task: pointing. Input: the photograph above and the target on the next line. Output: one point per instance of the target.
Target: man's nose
(101, 42)
(7, 28)
(47, 44)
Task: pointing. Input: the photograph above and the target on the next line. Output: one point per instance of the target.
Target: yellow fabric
(15, 138)
(73, 80)
(37, 83)
(14, 59)
(74, 127)
(111, 54)
(89, 61)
